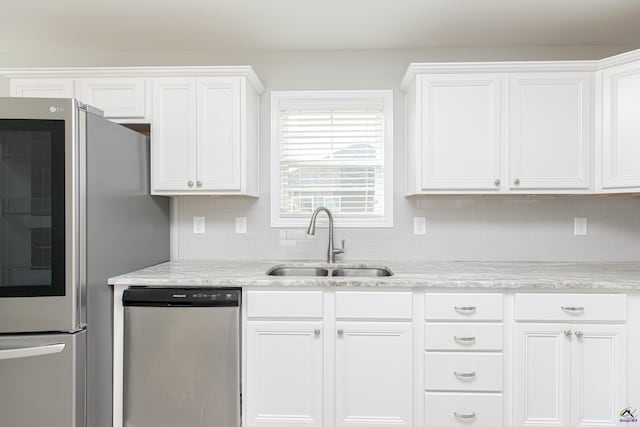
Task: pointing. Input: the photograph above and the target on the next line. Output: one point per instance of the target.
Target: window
(332, 149)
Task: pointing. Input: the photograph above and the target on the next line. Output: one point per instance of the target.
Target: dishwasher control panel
(165, 297)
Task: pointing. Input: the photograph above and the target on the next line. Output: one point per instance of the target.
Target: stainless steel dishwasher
(181, 357)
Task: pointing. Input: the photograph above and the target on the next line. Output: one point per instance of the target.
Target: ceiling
(189, 25)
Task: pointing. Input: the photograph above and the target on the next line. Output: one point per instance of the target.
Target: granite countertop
(496, 275)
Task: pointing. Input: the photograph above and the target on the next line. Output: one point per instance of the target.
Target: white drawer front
(463, 306)
(463, 336)
(378, 305)
(284, 304)
(570, 307)
(117, 97)
(463, 409)
(463, 372)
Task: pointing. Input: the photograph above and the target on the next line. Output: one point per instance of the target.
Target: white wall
(458, 228)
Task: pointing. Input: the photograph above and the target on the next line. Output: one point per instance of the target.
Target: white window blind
(332, 152)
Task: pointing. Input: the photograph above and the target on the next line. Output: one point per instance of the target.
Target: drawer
(374, 305)
(463, 306)
(463, 372)
(463, 409)
(570, 307)
(463, 336)
(285, 304)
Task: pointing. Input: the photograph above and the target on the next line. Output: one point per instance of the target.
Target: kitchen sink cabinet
(350, 366)
(498, 128)
(205, 136)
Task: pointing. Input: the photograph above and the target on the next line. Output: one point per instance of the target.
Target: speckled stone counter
(496, 275)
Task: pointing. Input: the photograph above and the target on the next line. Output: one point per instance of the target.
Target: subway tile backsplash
(459, 228)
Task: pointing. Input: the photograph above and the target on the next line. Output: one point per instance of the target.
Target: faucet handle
(339, 250)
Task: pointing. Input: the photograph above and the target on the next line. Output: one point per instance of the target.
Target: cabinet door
(284, 373)
(173, 150)
(117, 97)
(542, 375)
(373, 374)
(621, 127)
(42, 88)
(598, 389)
(460, 132)
(550, 131)
(219, 136)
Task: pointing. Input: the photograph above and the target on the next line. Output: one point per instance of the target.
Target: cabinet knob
(190, 183)
(497, 182)
(516, 181)
(199, 183)
(579, 334)
(567, 333)
(340, 332)
(316, 332)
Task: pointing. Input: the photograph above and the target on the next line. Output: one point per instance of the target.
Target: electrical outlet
(241, 225)
(579, 226)
(419, 225)
(198, 225)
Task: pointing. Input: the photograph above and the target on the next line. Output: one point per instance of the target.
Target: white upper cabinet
(459, 120)
(499, 128)
(173, 151)
(620, 109)
(43, 88)
(205, 136)
(118, 98)
(550, 131)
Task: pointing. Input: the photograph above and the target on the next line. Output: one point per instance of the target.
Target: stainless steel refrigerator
(76, 209)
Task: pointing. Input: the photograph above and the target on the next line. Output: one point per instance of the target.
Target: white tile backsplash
(484, 228)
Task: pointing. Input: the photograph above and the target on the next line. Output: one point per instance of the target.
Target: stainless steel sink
(297, 271)
(338, 271)
(362, 272)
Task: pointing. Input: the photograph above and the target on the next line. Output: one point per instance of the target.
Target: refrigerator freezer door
(42, 380)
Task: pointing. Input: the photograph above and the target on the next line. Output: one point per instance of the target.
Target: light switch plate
(241, 225)
(419, 225)
(579, 226)
(198, 225)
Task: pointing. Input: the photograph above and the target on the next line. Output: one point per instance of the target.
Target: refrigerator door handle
(22, 352)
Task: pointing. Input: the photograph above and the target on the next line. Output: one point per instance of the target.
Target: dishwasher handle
(181, 297)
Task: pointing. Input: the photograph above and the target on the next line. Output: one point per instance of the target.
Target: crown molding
(117, 72)
(621, 59)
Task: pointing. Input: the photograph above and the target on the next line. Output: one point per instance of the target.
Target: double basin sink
(329, 271)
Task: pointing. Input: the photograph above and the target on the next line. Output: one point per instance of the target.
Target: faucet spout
(332, 251)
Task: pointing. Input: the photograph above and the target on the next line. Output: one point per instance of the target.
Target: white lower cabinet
(373, 373)
(284, 371)
(569, 375)
(303, 372)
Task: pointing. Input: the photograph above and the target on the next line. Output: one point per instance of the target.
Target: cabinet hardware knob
(199, 183)
(497, 182)
(190, 183)
(465, 309)
(572, 309)
(465, 376)
(567, 333)
(340, 332)
(316, 332)
(464, 340)
(516, 181)
(468, 416)
(579, 334)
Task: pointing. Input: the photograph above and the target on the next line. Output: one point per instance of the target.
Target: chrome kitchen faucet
(331, 251)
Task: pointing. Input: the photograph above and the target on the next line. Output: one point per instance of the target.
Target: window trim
(387, 97)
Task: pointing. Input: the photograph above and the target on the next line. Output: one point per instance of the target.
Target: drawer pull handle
(465, 376)
(465, 309)
(572, 309)
(465, 417)
(465, 340)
